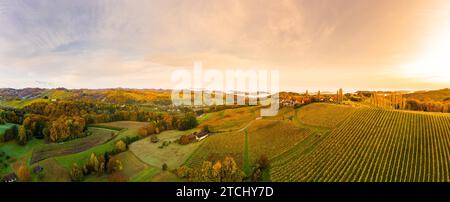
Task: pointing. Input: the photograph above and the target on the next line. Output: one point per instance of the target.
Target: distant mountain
(26, 93)
(118, 96)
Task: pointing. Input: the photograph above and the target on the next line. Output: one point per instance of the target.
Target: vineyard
(372, 145)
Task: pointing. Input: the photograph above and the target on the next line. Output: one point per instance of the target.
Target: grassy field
(54, 172)
(131, 164)
(98, 136)
(218, 146)
(18, 154)
(372, 145)
(129, 131)
(174, 155)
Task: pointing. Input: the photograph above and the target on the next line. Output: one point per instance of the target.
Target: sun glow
(434, 64)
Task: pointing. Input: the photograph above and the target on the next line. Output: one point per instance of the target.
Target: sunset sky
(316, 44)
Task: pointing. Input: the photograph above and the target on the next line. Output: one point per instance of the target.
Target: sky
(315, 44)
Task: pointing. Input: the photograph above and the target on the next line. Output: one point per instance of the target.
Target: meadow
(154, 154)
(98, 136)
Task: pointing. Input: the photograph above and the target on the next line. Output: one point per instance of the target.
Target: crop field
(324, 115)
(174, 155)
(230, 119)
(270, 138)
(55, 172)
(218, 146)
(123, 124)
(99, 136)
(373, 145)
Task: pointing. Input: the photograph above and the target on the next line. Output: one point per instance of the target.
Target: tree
(76, 173)
(93, 164)
(187, 122)
(120, 146)
(221, 171)
(186, 139)
(24, 173)
(142, 132)
(183, 171)
(154, 139)
(66, 127)
(263, 161)
(22, 135)
(206, 128)
(114, 165)
(2, 121)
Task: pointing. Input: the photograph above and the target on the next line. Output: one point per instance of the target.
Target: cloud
(134, 43)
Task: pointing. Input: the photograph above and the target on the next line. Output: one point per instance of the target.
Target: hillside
(434, 95)
(19, 98)
(372, 145)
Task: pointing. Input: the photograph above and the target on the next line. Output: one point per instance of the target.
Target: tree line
(64, 120)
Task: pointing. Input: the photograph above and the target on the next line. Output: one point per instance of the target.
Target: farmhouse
(12, 177)
(201, 135)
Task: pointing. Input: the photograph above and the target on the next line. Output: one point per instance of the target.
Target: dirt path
(248, 124)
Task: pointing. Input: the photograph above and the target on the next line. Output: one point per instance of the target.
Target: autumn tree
(93, 164)
(142, 132)
(23, 173)
(120, 146)
(22, 136)
(263, 161)
(76, 173)
(221, 171)
(66, 127)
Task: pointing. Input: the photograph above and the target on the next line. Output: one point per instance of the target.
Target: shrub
(222, 171)
(154, 139)
(183, 171)
(164, 167)
(256, 174)
(186, 139)
(114, 165)
(206, 128)
(120, 146)
(22, 136)
(24, 173)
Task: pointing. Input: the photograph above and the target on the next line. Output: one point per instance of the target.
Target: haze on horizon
(320, 44)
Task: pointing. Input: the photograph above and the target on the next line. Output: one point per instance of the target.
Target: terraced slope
(373, 145)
